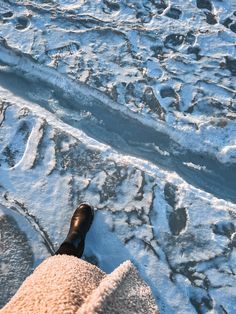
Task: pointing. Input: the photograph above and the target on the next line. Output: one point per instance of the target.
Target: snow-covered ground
(129, 105)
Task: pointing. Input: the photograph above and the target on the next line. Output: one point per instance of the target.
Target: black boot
(79, 226)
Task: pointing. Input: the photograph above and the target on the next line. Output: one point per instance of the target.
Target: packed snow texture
(129, 105)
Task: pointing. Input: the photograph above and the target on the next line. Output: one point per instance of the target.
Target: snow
(129, 105)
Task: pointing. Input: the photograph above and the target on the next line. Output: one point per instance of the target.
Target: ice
(129, 105)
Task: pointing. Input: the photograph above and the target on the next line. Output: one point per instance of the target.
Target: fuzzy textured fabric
(66, 284)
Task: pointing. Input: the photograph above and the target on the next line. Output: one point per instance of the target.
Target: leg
(69, 249)
(79, 226)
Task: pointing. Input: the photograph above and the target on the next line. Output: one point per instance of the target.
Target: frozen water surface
(129, 105)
